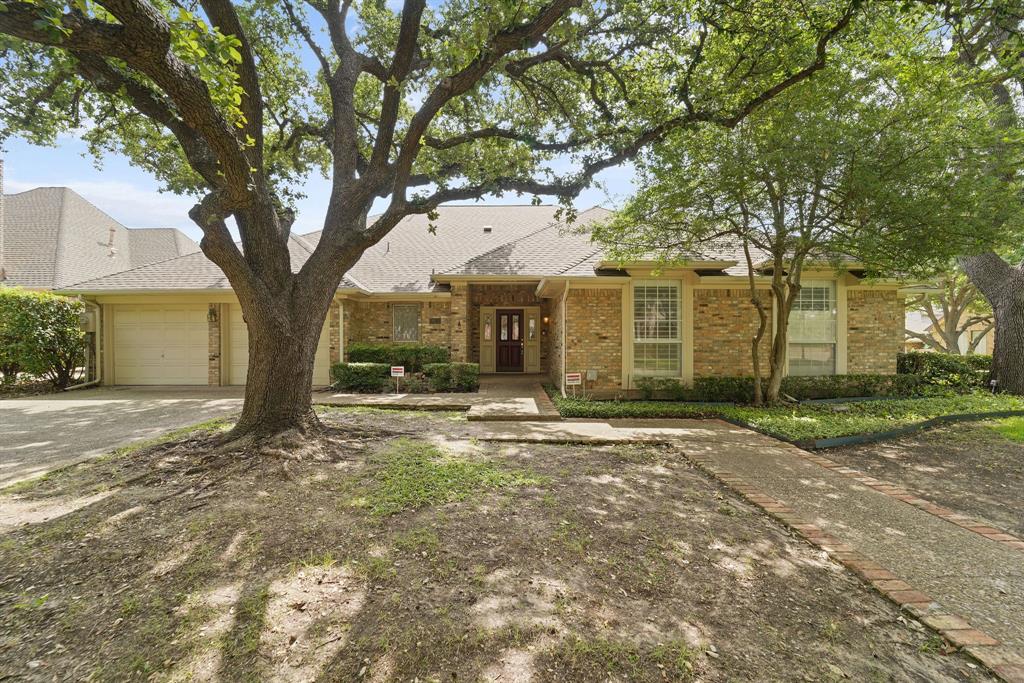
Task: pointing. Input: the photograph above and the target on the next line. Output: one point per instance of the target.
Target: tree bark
(1003, 286)
(762, 325)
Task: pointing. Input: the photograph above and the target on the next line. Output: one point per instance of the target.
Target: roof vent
(488, 229)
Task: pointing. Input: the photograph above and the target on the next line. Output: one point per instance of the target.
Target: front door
(510, 340)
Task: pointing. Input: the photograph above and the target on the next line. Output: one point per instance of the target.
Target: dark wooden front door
(510, 341)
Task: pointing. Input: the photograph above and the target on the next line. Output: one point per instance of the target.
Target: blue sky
(133, 198)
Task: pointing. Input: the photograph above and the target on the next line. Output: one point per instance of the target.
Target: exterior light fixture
(546, 320)
(211, 314)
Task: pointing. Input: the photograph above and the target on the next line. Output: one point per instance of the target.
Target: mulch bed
(595, 563)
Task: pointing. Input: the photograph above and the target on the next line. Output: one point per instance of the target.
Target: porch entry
(510, 339)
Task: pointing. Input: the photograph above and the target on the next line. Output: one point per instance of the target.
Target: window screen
(406, 322)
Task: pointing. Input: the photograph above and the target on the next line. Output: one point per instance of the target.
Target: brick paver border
(1000, 660)
(911, 498)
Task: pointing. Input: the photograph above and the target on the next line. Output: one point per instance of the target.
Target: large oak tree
(237, 102)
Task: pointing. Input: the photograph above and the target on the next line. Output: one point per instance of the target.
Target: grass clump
(593, 659)
(1012, 428)
(416, 474)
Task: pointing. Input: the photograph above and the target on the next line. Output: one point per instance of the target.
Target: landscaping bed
(409, 550)
(974, 469)
(805, 422)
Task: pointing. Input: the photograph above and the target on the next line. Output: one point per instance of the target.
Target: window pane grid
(812, 330)
(656, 329)
(405, 322)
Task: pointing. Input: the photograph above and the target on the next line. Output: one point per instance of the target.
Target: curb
(1000, 660)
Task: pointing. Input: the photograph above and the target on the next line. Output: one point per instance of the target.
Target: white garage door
(160, 344)
(238, 343)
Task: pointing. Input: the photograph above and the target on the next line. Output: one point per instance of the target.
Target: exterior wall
(724, 322)
(213, 370)
(459, 323)
(875, 320)
(506, 296)
(371, 321)
(334, 329)
(593, 337)
(555, 329)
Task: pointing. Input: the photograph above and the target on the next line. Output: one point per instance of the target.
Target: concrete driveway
(42, 433)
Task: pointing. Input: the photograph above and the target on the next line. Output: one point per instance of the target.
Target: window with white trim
(812, 330)
(405, 319)
(657, 340)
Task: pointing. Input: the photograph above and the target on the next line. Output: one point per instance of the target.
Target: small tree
(41, 334)
(953, 308)
(872, 161)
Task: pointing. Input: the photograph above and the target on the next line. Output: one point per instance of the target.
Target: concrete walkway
(501, 397)
(964, 572)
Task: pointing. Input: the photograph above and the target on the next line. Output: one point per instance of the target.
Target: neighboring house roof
(53, 237)
(918, 321)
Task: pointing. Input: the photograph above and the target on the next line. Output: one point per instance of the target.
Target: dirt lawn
(411, 552)
(969, 467)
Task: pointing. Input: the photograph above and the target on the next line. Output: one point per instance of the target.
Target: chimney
(3, 272)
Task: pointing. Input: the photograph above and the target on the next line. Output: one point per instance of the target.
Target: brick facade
(459, 322)
(875, 324)
(555, 329)
(724, 322)
(213, 344)
(593, 337)
(372, 322)
(334, 331)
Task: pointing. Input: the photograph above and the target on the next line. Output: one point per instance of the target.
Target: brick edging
(1003, 662)
(911, 498)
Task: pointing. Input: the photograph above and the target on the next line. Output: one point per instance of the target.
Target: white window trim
(837, 319)
(679, 329)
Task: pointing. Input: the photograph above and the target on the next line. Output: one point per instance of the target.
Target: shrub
(412, 356)
(41, 334)
(958, 373)
(741, 389)
(362, 377)
(455, 377)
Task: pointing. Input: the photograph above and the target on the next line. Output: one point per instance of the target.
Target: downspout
(96, 350)
(565, 324)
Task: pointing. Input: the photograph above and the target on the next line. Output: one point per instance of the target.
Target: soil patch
(970, 468)
(412, 552)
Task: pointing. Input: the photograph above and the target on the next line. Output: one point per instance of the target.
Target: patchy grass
(806, 421)
(622, 566)
(1012, 428)
(593, 659)
(415, 474)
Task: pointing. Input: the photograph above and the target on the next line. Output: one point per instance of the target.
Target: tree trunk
(1003, 286)
(282, 348)
(782, 302)
(762, 325)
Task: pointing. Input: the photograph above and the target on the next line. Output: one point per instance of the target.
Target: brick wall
(593, 337)
(554, 329)
(459, 323)
(506, 296)
(875, 320)
(724, 322)
(213, 336)
(371, 321)
(334, 331)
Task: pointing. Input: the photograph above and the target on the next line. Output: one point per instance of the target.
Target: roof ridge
(465, 263)
(58, 262)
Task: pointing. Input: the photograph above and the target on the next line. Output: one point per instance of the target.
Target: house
(511, 288)
(52, 238)
(982, 334)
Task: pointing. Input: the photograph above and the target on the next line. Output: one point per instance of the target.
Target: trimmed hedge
(958, 373)
(412, 356)
(40, 335)
(376, 377)
(452, 376)
(361, 377)
(741, 389)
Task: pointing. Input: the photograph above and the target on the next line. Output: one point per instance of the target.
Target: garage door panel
(160, 344)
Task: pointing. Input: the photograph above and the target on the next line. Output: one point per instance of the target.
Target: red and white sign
(398, 371)
(573, 379)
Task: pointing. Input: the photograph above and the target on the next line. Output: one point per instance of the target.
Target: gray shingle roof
(53, 237)
(470, 240)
